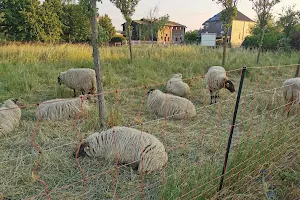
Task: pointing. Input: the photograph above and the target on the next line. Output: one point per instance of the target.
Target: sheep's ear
(17, 102)
(150, 91)
(59, 80)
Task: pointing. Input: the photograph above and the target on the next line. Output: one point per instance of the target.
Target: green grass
(268, 141)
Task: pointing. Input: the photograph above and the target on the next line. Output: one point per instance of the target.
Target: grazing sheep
(291, 92)
(177, 87)
(10, 115)
(82, 79)
(61, 109)
(129, 146)
(215, 80)
(176, 106)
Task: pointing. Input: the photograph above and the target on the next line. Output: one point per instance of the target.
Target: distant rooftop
(145, 21)
(240, 17)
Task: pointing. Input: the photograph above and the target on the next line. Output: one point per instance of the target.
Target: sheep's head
(82, 150)
(229, 85)
(150, 91)
(59, 81)
(177, 76)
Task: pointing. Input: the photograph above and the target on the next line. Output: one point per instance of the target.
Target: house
(172, 32)
(240, 29)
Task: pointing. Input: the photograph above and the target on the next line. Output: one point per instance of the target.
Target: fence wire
(264, 138)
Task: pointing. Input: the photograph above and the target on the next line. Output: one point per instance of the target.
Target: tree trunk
(224, 49)
(298, 70)
(260, 45)
(97, 65)
(129, 39)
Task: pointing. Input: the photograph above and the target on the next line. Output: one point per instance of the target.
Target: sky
(191, 13)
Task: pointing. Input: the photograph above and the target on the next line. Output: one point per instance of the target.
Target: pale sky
(191, 13)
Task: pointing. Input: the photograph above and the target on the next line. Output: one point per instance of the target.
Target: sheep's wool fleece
(177, 107)
(128, 145)
(60, 109)
(215, 78)
(291, 90)
(82, 79)
(177, 87)
(10, 115)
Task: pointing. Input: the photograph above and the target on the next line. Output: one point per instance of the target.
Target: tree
(50, 14)
(15, 23)
(90, 8)
(127, 8)
(263, 10)
(154, 24)
(289, 19)
(227, 15)
(77, 25)
(191, 36)
(107, 30)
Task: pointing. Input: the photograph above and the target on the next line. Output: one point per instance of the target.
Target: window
(165, 39)
(239, 35)
(168, 39)
(176, 39)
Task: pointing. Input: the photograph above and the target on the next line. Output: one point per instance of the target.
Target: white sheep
(129, 146)
(215, 80)
(172, 106)
(82, 79)
(291, 92)
(10, 115)
(61, 109)
(177, 87)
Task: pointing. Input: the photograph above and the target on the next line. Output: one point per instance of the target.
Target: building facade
(171, 33)
(240, 29)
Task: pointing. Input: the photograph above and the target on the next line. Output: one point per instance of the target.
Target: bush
(118, 39)
(295, 41)
(250, 42)
(271, 41)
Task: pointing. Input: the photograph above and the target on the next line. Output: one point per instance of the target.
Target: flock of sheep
(143, 150)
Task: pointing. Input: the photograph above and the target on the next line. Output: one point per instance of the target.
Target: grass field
(265, 151)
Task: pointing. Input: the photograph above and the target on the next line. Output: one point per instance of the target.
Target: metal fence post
(298, 69)
(232, 128)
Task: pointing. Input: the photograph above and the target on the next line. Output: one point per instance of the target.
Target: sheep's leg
(218, 95)
(74, 92)
(211, 97)
(215, 98)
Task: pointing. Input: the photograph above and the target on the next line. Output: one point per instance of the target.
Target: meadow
(264, 158)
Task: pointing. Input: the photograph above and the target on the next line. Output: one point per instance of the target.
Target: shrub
(118, 39)
(295, 41)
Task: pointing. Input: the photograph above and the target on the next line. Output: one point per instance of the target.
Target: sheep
(129, 146)
(82, 79)
(215, 80)
(291, 92)
(177, 107)
(61, 109)
(177, 87)
(10, 115)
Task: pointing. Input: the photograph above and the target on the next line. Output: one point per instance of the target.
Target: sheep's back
(173, 106)
(9, 119)
(80, 79)
(177, 87)
(126, 144)
(291, 90)
(215, 79)
(60, 109)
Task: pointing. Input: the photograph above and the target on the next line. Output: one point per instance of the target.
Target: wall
(213, 27)
(178, 34)
(240, 30)
(165, 35)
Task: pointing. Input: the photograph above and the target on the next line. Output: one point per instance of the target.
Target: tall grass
(29, 72)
